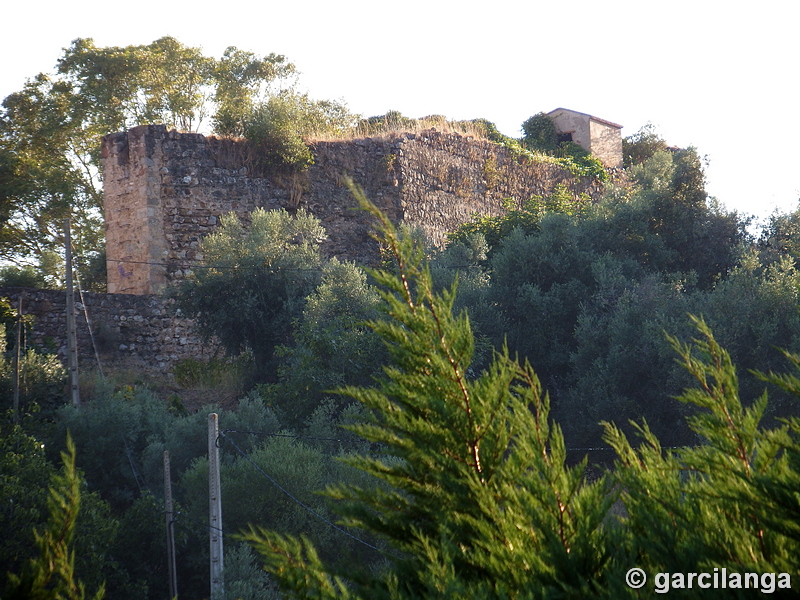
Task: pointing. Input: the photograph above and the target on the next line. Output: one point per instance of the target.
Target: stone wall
(145, 334)
(447, 178)
(606, 143)
(165, 190)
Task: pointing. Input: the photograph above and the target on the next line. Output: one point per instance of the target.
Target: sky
(717, 75)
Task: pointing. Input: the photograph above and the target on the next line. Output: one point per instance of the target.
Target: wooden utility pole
(173, 577)
(17, 365)
(215, 509)
(72, 331)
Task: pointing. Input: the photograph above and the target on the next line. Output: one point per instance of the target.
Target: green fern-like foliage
(51, 575)
(474, 499)
(479, 501)
(730, 502)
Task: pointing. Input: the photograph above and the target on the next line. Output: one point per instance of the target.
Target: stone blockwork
(165, 190)
(145, 334)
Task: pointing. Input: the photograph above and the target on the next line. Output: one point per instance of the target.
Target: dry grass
(389, 130)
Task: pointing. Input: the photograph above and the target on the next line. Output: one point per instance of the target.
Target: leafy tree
(47, 173)
(641, 146)
(242, 81)
(539, 282)
(754, 313)
(697, 233)
(331, 345)
(272, 267)
(725, 502)
(780, 237)
(620, 365)
(26, 276)
(162, 82)
(24, 473)
(117, 86)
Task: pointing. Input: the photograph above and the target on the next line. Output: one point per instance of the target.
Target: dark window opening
(564, 137)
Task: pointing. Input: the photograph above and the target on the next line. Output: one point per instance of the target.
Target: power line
(285, 491)
(284, 435)
(324, 439)
(194, 264)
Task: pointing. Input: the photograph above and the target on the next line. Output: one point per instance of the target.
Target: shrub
(277, 129)
(273, 266)
(540, 133)
(26, 276)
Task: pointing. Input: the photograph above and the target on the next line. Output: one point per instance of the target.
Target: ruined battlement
(164, 190)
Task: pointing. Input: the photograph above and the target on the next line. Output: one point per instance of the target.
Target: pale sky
(718, 75)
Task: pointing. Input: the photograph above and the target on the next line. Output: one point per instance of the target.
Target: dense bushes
(121, 437)
(585, 291)
(482, 504)
(277, 128)
(452, 433)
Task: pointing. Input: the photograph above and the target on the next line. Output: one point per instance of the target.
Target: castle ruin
(164, 190)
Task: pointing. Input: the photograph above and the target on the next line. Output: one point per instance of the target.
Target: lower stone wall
(146, 334)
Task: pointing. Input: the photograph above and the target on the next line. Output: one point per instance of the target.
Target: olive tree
(254, 282)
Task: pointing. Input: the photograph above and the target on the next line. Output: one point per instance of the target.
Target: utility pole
(72, 331)
(18, 357)
(173, 577)
(215, 509)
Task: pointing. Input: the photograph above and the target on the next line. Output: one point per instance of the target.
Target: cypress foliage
(51, 575)
(479, 502)
(730, 502)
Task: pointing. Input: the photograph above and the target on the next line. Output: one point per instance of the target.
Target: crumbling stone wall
(165, 190)
(447, 178)
(145, 334)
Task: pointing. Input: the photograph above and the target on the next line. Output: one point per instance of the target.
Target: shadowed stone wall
(165, 190)
(145, 334)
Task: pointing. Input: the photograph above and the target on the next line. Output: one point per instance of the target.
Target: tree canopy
(253, 282)
(50, 132)
(480, 501)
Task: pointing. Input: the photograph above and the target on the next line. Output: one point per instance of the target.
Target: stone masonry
(145, 334)
(165, 190)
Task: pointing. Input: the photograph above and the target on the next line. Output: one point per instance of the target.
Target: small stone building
(600, 137)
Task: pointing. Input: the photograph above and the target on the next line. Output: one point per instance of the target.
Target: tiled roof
(593, 118)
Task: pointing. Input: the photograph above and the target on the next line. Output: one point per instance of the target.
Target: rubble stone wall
(141, 333)
(165, 190)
